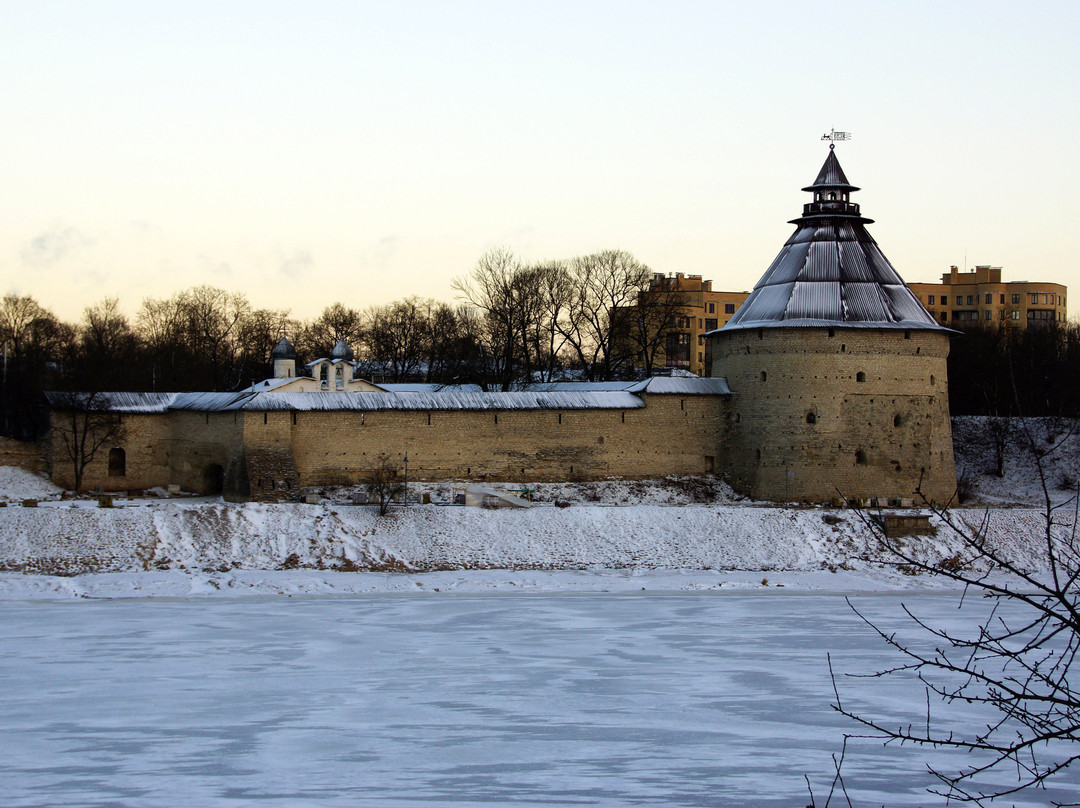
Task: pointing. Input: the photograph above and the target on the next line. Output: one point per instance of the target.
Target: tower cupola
(342, 351)
(284, 359)
(832, 191)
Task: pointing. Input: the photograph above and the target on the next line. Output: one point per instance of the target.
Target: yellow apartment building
(980, 297)
(701, 309)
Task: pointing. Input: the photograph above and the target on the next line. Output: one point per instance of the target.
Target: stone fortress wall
(271, 455)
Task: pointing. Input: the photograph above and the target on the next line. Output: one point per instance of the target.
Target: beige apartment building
(980, 297)
(701, 310)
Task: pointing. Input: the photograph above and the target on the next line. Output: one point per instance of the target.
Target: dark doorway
(213, 480)
(117, 462)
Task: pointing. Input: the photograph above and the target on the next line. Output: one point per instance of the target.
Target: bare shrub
(1017, 661)
(384, 484)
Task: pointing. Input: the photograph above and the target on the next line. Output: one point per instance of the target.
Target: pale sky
(360, 152)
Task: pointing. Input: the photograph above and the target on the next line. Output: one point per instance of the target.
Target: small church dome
(283, 350)
(342, 351)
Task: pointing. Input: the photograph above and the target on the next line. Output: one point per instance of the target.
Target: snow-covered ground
(674, 534)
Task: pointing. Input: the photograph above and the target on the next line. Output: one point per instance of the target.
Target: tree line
(1014, 372)
(598, 317)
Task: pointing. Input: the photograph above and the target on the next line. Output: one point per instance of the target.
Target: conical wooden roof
(831, 272)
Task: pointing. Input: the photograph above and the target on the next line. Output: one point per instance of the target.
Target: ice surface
(549, 699)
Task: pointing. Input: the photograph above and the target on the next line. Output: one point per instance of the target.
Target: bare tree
(545, 337)
(495, 289)
(107, 346)
(83, 424)
(1018, 661)
(213, 318)
(258, 332)
(335, 323)
(398, 336)
(608, 286)
(384, 484)
(34, 345)
(656, 311)
(17, 314)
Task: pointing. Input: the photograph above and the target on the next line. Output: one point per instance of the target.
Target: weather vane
(834, 136)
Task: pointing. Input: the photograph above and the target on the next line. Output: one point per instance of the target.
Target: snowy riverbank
(192, 547)
(666, 535)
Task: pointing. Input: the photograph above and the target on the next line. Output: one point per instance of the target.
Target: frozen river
(539, 700)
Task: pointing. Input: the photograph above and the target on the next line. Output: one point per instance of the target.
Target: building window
(860, 458)
(989, 314)
(764, 376)
(712, 308)
(811, 418)
(930, 299)
(729, 308)
(959, 300)
(1016, 300)
(1016, 315)
(971, 300)
(860, 376)
(677, 349)
(1003, 300)
(710, 324)
(944, 316)
(117, 462)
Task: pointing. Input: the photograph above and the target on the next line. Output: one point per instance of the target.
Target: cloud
(294, 265)
(379, 256)
(53, 245)
(215, 266)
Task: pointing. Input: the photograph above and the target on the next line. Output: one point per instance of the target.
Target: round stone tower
(838, 372)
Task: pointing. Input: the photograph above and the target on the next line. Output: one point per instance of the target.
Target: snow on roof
(269, 384)
(113, 402)
(370, 402)
(688, 385)
(553, 396)
(685, 386)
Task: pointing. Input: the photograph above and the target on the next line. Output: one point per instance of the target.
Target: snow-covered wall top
(558, 396)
